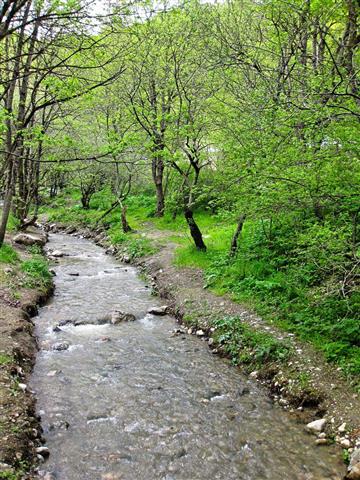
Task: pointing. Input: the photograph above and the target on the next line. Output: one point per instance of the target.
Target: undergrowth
(297, 272)
(37, 272)
(247, 346)
(8, 254)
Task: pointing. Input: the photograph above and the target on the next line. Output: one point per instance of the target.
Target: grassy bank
(296, 273)
(25, 280)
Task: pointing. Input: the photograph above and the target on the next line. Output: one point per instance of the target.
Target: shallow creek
(134, 402)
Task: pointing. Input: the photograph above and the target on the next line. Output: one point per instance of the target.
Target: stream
(135, 402)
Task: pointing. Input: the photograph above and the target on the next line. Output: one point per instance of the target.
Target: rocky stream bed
(140, 400)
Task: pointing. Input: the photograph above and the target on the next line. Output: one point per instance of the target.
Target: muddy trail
(134, 401)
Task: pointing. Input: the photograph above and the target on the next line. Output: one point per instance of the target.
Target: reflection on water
(132, 402)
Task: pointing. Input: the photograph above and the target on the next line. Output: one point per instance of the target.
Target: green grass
(5, 359)
(37, 272)
(290, 277)
(247, 346)
(8, 254)
(288, 289)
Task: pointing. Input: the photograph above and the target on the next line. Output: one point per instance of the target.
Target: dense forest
(236, 121)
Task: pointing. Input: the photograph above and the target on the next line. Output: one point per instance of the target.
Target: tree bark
(234, 241)
(194, 230)
(158, 175)
(125, 226)
(5, 214)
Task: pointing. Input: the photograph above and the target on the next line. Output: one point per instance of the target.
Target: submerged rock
(47, 476)
(60, 346)
(115, 317)
(57, 254)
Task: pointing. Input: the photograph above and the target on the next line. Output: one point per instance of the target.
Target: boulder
(29, 239)
(159, 310)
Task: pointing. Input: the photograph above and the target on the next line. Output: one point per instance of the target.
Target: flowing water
(134, 402)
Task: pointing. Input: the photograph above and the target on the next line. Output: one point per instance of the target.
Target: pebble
(200, 333)
(44, 451)
(321, 441)
(317, 426)
(22, 386)
(253, 374)
(345, 443)
(342, 428)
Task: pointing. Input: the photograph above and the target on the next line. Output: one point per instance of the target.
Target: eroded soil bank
(20, 296)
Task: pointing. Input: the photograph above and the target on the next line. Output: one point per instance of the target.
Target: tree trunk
(125, 226)
(234, 241)
(85, 201)
(5, 214)
(158, 177)
(194, 230)
(160, 200)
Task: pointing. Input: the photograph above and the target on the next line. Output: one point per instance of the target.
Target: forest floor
(23, 287)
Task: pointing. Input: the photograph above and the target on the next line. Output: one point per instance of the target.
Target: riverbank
(297, 377)
(25, 284)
